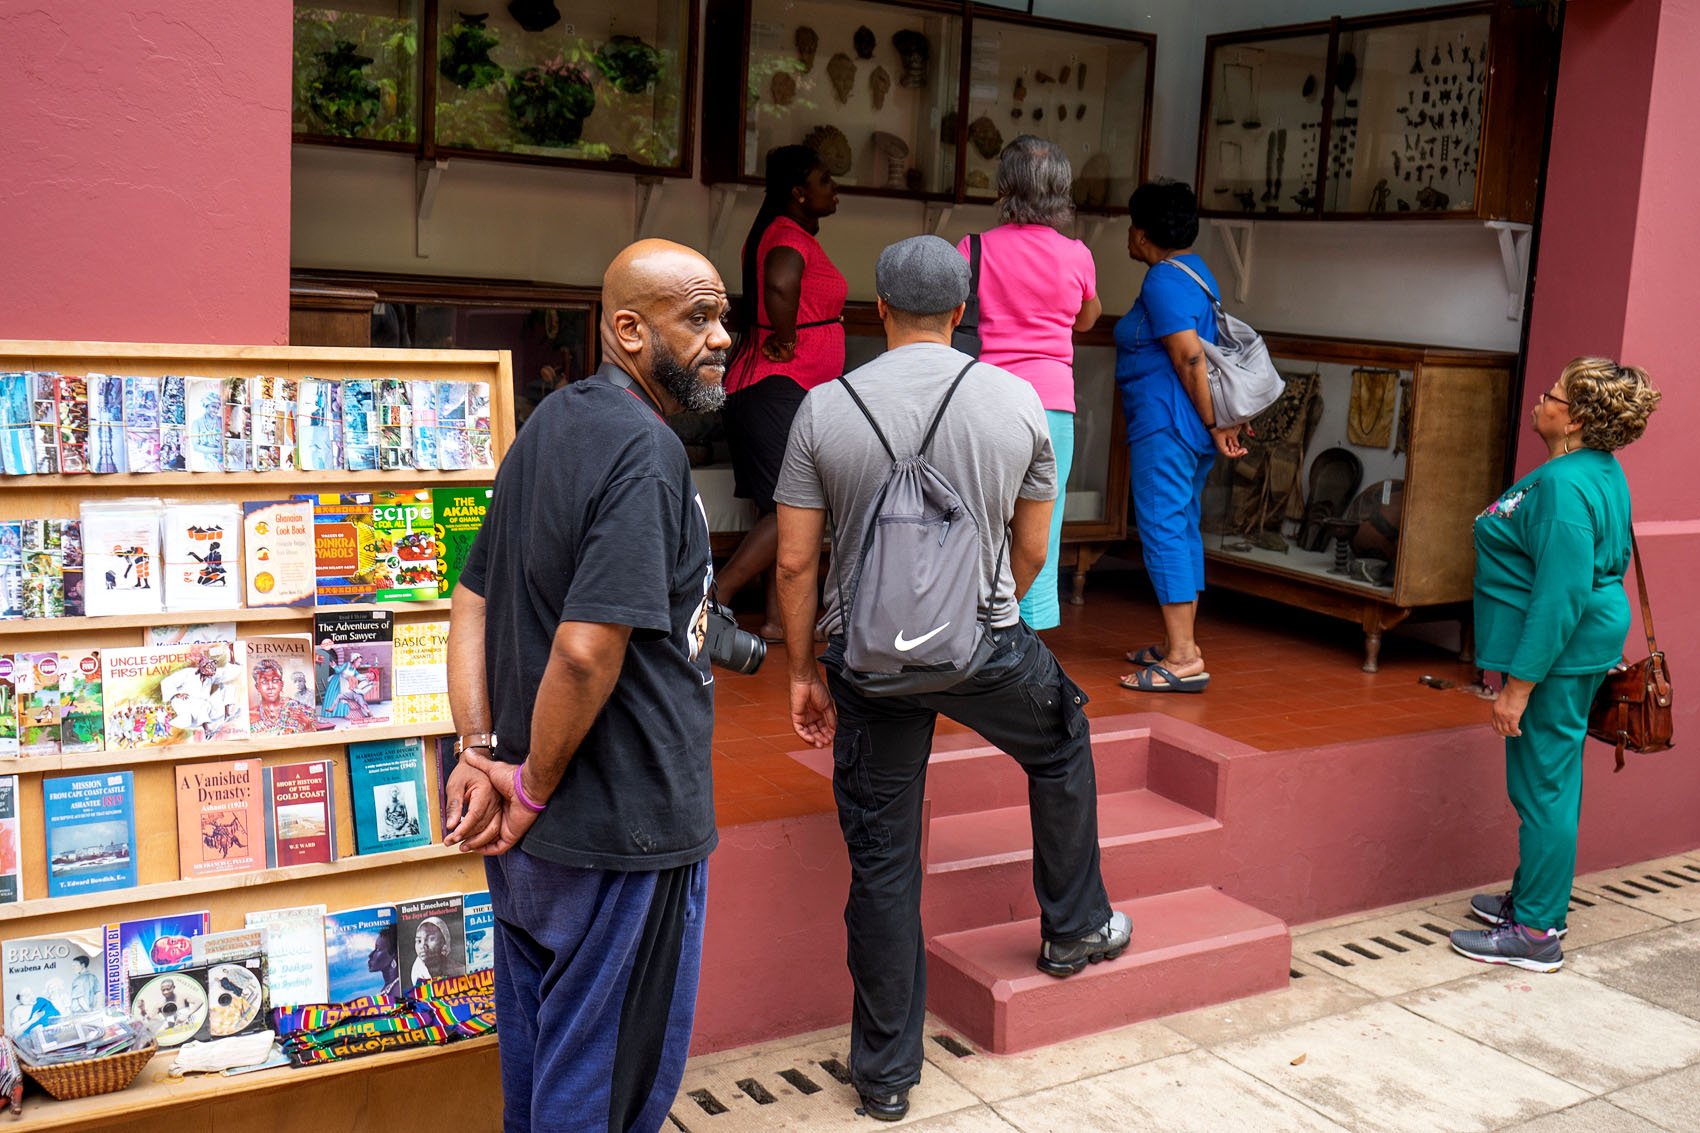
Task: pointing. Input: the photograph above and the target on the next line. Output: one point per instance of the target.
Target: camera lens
(730, 647)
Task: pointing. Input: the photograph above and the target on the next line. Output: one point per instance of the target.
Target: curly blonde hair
(1610, 402)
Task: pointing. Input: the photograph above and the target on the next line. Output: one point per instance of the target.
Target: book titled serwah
(279, 680)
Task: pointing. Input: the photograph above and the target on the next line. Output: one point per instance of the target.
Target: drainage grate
(677, 1124)
(839, 1071)
(755, 1091)
(800, 1082)
(1416, 936)
(1576, 899)
(1635, 888)
(1387, 946)
(954, 1045)
(1294, 973)
(710, 1104)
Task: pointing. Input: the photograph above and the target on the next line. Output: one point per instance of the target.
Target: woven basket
(91, 1076)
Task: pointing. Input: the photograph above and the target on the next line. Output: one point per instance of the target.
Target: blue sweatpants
(1040, 607)
(596, 987)
(1168, 477)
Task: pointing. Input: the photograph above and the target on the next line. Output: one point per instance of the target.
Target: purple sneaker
(1510, 943)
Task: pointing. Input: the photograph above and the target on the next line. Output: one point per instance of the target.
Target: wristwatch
(486, 740)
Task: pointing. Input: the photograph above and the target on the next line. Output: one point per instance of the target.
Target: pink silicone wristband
(519, 792)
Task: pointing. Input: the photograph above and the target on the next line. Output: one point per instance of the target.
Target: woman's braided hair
(1610, 402)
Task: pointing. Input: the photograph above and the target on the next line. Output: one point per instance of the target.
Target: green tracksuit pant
(1543, 776)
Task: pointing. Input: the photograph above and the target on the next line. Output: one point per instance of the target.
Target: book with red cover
(220, 818)
(300, 813)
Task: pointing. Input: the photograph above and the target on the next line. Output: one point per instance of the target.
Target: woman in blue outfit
(1172, 436)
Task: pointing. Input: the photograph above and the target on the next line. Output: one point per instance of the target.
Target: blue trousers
(1168, 477)
(1040, 607)
(596, 987)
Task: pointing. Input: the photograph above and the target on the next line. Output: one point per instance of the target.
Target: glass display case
(1409, 136)
(872, 85)
(605, 83)
(1398, 108)
(1088, 91)
(1260, 135)
(357, 72)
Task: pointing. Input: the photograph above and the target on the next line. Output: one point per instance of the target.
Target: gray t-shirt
(994, 445)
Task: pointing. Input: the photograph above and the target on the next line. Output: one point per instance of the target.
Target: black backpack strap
(939, 415)
(974, 265)
(862, 405)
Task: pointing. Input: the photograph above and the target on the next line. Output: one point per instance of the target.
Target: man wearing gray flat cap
(992, 445)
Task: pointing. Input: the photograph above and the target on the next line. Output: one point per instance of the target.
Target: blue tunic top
(1153, 398)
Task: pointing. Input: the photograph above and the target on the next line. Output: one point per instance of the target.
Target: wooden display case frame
(1523, 52)
(349, 882)
(1455, 466)
(727, 36)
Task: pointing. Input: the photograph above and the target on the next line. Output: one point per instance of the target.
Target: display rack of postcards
(214, 708)
(1086, 89)
(1426, 113)
(603, 84)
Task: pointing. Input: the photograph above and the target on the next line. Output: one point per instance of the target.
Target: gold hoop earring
(1566, 446)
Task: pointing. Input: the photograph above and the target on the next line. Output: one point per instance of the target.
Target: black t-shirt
(595, 519)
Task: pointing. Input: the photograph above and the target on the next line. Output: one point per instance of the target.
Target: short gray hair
(1035, 183)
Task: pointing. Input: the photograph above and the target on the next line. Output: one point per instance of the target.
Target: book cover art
(237, 422)
(445, 765)
(91, 832)
(121, 557)
(44, 420)
(454, 444)
(423, 397)
(173, 423)
(231, 944)
(431, 938)
(300, 813)
(295, 953)
(232, 967)
(277, 553)
(17, 449)
(11, 847)
(192, 633)
(458, 514)
(479, 450)
(176, 1003)
(281, 697)
(221, 818)
(43, 568)
(395, 425)
(73, 393)
(273, 403)
(345, 550)
(387, 781)
(147, 947)
(8, 707)
(406, 545)
(421, 673)
(318, 424)
(480, 932)
(353, 661)
(35, 680)
(360, 425)
(49, 976)
(71, 567)
(108, 451)
(204, 424)
(171, 694)
(360, 953)
(200, 553)
(11, 569)
(141, 423)
(82, 717)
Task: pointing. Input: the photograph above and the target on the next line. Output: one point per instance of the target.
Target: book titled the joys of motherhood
(91, 832)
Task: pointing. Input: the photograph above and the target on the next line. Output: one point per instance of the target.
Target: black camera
(730, 647)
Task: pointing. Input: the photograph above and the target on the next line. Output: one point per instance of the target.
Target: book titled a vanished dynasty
(352, 662)
(387, 784)
(91, 832)
(220, 818)
(300, 813)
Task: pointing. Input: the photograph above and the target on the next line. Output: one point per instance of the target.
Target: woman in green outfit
(1552, 616)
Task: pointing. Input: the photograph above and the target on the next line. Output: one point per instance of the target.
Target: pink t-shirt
(1033, 282)
(819, 354)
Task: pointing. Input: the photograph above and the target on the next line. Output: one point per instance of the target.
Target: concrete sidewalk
(1383, 1027)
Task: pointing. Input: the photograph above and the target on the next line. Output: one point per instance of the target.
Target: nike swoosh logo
(904, 645)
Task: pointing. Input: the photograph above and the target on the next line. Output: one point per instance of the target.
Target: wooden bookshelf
(155, 1102)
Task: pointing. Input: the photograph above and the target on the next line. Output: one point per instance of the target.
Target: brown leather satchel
(1632, 708)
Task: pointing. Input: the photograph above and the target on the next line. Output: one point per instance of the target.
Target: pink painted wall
(145, 194)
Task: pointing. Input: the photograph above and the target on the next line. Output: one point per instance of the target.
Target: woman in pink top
(1037, 287)
(793, 341)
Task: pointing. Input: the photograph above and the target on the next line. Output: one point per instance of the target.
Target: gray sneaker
(1065, 957)
(1510, 943)
(1488, 909)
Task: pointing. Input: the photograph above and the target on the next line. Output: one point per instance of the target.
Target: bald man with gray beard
(584, 708)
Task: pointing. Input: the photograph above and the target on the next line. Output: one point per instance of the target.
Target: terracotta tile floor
(1281, 678)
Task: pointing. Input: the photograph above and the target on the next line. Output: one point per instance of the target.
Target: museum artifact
(913, 50)
(807, 43)
(833, 147)
(879, 85)
(864, 42)
(467, 62)
(783, 87)
(535, 15)
(891, 154)
(1369, 417)
(841, 69)
(628, 63)
(988, 142)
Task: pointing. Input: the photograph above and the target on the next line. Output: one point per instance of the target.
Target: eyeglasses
(1545, 396)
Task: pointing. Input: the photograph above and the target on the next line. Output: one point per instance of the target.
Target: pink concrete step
(995, 837)
(1190, 949)
(962, 778)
